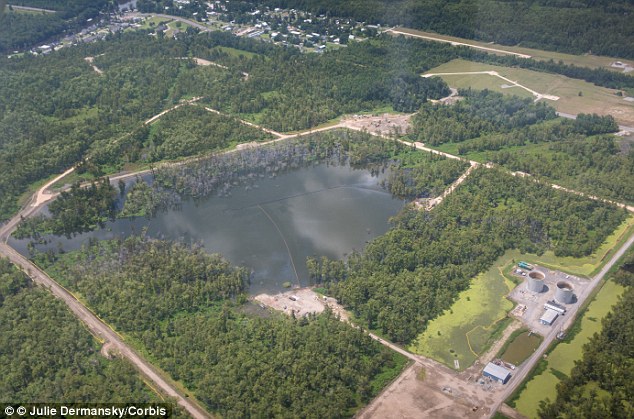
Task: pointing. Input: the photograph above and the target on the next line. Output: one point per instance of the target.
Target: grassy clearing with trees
(593, 99)
(579, 154)
(464, 331)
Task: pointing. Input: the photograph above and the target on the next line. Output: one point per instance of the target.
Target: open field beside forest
(467, 329)
(561, 359)
(575, 96)
(586, 60)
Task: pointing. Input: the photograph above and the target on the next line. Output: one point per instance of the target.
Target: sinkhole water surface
(270, 228)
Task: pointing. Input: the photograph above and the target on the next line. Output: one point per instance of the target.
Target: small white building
(549, 316)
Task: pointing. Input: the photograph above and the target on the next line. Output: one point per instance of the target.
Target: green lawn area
(486, 156)
(562, 358)
(153, 22)
(176, 25)
(593, 99)
(585, 60)
(236, 52)
(468, 327)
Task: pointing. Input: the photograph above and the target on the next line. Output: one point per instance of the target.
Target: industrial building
(548, 317)
(552, 305)
(496, 372)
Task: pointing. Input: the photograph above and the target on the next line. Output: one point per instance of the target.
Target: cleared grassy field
(586, 266)
(593, 99)
(562, 358)
(176, 26)
(236, 52)
(464, 332)
(586, 60)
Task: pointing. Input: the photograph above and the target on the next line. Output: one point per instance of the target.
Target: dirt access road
(30, 9)
(456, 43)
(537, 95)
(454, 391)
(95, 325)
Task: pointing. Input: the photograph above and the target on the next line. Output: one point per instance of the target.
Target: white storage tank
(564, 292)
(535, 281)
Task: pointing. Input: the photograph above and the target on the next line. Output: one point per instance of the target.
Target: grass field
(467, 328)
(153, 22)
(586, 60)
(236, 52)
(586, 266)
(562, 358)
(593, 99)
(176, 26)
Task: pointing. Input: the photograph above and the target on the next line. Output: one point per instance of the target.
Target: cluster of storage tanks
(564, 291)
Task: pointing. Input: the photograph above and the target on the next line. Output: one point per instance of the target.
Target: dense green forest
(413, 273)
(77, 210)
(192, 130)
(48, 356)
(601, 27)
(173, 300)
(521, 136)
(481, 112)
(601, 384)
(19, 31)
(56, 111)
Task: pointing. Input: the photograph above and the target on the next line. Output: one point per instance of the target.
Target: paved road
(520, 375)
(456, 43)
(31, 9)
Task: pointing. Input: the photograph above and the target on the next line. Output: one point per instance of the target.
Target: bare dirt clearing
(298, 302)
(90, 61)
(410, 397)
(385, 124)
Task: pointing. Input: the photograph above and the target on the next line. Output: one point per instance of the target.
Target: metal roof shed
(496, 372)
(548, 317)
